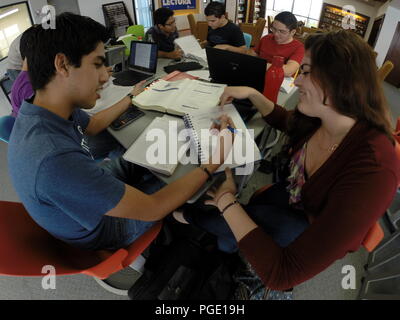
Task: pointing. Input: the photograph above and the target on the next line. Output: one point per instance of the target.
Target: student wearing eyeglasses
(164, 33)
(280, 42)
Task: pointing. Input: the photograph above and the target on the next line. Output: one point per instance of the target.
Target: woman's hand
(138, 88)
(223, 126)
(231, 93)
(228, 186)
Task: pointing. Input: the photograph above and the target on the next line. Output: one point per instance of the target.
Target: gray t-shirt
(14, 60)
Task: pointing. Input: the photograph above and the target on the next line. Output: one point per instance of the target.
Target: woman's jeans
(270, 211)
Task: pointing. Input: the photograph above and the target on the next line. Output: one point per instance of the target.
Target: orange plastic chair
(25, 248)
(371, 240)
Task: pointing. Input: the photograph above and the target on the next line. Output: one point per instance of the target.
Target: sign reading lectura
(179, 4)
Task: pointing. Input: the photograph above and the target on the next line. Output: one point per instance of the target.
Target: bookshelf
(241, 12)
(248, 11)
(332, 17)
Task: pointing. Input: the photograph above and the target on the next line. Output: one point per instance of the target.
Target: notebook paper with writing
(180, 97)
(153, 149)
(190, 46)
(244, 149)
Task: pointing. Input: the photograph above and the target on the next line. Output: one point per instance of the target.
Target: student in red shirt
(281, 43)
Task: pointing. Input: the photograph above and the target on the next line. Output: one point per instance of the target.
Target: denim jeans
(104, 145)
(270, 211)
(120, 232)
(13, 74)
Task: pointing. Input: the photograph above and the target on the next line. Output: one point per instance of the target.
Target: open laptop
(237, 69)
(142, 64)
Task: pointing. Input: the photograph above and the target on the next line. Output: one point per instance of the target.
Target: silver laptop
(142, 64)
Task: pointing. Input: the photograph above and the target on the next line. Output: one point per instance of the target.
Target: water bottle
(274, 78)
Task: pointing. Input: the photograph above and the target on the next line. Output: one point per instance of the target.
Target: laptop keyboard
(129, 78)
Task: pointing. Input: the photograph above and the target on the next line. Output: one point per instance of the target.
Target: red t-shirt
(267, 48)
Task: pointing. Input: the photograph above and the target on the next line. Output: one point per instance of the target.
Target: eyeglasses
(170, 24)
(305, 72)
(282, 32)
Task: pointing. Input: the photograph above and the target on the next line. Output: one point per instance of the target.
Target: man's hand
(176, 54)
(138, 88)
(228, 186)
(202, 43)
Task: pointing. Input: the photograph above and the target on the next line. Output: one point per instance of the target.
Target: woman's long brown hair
(344, 66)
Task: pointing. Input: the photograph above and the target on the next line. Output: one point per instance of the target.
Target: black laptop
(142, 64)
(237, 69)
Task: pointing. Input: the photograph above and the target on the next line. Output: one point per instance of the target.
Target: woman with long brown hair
(342, 172)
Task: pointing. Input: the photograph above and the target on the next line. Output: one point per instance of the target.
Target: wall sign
(179, 4)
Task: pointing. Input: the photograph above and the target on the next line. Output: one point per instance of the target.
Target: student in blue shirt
(54, 175)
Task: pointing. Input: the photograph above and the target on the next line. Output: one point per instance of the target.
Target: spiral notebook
(244, 150)
(161, 157)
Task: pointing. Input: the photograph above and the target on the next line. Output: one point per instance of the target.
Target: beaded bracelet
(228, 206)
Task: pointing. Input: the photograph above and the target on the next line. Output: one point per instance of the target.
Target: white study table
(126, 136)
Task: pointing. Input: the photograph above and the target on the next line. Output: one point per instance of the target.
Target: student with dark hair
(222, 33)
(22, 88)
(342, 169)
(101, 145)
(164, 33)
(78, 201)
(281, 43)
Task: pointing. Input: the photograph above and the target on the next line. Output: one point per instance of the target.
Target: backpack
(187, 267)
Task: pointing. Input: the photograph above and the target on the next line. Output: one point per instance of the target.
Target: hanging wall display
(181, 6)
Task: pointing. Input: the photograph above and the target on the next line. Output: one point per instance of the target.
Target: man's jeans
(120, 232)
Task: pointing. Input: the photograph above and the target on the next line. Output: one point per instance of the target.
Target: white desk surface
(126, 136)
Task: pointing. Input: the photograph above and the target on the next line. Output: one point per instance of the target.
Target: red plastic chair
(25, 248)
(371, 240)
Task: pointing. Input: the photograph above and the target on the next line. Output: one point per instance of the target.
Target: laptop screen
(236, 69)
(143, 56)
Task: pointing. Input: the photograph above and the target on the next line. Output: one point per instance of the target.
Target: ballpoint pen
(218, 122)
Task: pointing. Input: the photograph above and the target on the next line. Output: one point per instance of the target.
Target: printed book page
(180, 97)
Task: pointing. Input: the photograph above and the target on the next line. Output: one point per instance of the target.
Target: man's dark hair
(161, 15)
(288, 19)
(75, 36)
(216, 9)
(27, 40)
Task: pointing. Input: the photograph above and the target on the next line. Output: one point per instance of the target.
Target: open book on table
(180, 97)
(159, 156)
(244, 150)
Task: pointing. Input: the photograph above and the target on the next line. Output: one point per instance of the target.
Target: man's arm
(242, 49)
(103, 119)
(289, 69)
(176, 54)
(138, 205)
